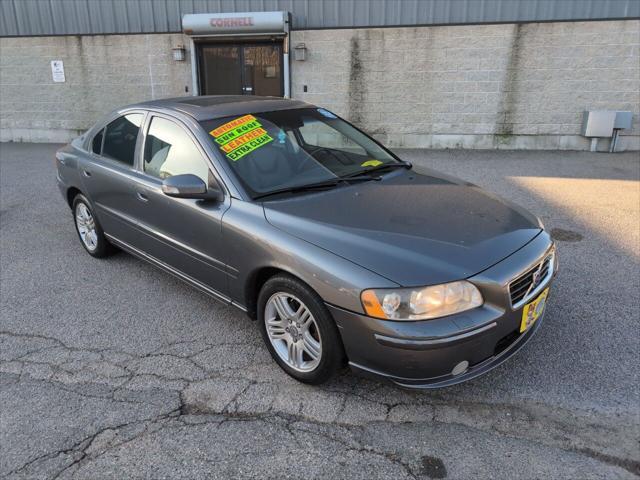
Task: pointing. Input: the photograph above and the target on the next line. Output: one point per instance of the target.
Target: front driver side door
(185, 234)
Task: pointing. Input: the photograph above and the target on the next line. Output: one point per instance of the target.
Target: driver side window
(169, 151)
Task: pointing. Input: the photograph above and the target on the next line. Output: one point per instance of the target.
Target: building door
(241, 69)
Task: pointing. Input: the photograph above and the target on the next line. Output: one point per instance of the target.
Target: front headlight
(421, 303)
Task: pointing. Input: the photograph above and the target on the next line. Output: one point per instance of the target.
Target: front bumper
(423, 354)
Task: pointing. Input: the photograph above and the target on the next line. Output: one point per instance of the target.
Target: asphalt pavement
(114, 369)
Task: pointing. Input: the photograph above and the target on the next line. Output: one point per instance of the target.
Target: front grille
(529, 280)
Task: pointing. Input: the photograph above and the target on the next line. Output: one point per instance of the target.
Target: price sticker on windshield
(240, 136)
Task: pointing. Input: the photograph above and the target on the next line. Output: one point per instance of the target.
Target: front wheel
(298, 330)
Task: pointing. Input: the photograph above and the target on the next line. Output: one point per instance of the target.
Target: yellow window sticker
(233, 144)
(249, 147)
(241, 136)
(231, 125)
(371, 163)
(238, 131)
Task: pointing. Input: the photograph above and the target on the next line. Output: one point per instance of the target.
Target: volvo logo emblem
(536, 277)
(535, 280)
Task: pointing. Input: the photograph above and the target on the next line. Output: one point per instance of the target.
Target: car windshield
(274, 151)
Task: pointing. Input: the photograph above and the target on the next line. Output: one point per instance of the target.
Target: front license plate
(533, 311)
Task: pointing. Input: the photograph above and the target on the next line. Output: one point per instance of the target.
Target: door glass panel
(96, 143)
(220, 70)
(120, 138)
(262, 70)
(169, 151)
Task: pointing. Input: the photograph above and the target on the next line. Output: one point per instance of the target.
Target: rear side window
(120, 138)
(96, 143)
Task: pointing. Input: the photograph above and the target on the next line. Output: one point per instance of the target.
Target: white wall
(103, 72)
(490, 86)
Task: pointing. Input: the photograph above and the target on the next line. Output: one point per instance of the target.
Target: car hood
(412, 228)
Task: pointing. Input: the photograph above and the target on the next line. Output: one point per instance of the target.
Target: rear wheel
(298, 330)
(88, 229)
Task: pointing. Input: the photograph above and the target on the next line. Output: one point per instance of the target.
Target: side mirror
(189, 186)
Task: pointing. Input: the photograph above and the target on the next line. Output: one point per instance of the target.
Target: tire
(93, 240)
(320, 327)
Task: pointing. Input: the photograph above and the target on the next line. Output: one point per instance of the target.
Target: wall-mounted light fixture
(179, 53)
(300, 52)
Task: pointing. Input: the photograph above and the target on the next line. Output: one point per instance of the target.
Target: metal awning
(248, 23)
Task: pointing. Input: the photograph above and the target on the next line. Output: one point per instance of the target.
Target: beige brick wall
(490, 86)
(103, 72)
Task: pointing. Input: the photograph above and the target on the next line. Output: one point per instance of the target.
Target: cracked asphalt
(113, 369)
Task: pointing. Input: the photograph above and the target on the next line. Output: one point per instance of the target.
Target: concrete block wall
(475, 86)
(483, 86)
(103, 72)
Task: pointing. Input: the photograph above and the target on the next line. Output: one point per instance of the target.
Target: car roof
(218, 106)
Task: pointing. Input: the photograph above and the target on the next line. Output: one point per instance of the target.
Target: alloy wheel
(293, 332)
(86, 226)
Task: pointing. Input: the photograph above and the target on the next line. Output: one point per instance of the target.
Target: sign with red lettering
(231, 22)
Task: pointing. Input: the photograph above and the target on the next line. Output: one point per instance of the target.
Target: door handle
(142, 197)
(86, 173)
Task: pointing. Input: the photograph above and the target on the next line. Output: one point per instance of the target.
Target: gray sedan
(339, 249)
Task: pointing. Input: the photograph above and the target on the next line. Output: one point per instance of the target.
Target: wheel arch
(256, 280)
(72, 192)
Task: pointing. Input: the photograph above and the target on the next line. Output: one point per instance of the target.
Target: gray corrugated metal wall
(64, 17)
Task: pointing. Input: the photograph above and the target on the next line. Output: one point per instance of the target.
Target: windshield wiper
(315, 186)
(379, 168)
(301, 188)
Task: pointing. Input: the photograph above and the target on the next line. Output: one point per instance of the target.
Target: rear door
(108, 171)
(182, 233)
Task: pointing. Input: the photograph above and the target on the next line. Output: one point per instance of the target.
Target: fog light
(460, 368)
